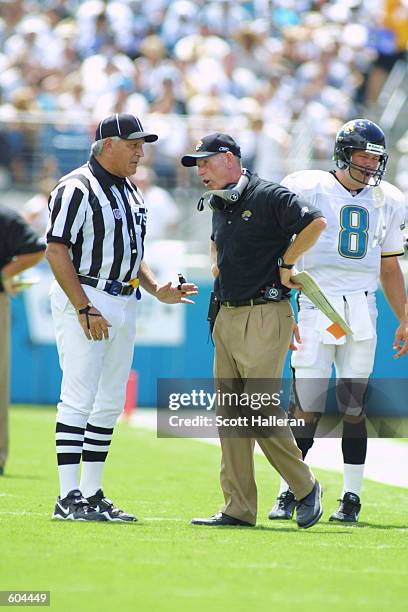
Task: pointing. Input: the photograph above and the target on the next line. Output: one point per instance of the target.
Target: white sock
(283, 487)
(91, 477)
(352, 478)
(68, 477)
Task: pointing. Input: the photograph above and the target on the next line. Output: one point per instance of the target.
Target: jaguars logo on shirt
(246, 215)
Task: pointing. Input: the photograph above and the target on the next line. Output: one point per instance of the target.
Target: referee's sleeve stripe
(73, 208)
(56, 209)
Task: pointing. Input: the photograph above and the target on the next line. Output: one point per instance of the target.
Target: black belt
(253, 302)
(113, 287)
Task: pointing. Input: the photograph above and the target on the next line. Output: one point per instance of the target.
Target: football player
(365, 218)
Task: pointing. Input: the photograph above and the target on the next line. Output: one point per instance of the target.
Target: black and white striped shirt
(102, 220)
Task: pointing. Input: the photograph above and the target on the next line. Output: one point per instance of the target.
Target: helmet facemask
(370, 178)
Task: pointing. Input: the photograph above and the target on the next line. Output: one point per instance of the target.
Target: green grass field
(162, 562)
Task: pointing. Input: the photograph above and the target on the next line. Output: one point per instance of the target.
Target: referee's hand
(172, 295)
(95, 326)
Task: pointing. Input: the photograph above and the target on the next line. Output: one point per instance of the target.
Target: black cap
(211, 145)
(123, 125)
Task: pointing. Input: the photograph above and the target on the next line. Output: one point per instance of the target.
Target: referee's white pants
(94, 373)
(313, 362)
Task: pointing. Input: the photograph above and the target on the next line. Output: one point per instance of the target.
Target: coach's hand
(296, 339)
(285, 278)
(401, 339)
(95, 326)
(172, 295)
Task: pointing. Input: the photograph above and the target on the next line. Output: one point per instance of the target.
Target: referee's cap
(125, 126)
(211, 145)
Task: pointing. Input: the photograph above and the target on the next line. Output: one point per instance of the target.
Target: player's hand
(296, 339)
(95, 326)
(11, 284)
(401, 339)
(168, 294)
(285, 278)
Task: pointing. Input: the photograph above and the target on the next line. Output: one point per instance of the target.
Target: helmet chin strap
(229, 195)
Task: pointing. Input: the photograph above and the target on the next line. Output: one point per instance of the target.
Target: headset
(220, 199)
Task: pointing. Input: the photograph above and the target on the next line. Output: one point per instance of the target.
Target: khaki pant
(252, 343)
(4, 375)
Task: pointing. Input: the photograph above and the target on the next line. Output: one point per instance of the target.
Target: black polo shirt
(251, 234)
(16, 237)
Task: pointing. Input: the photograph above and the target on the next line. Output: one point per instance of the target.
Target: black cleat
(1, 470)
(221, 520)
(106, 507)
(310, 509)
(284, 507)
(348, 510)
(74, 507)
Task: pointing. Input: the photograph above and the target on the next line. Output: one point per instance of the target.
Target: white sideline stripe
(386, 460)
(161, 518)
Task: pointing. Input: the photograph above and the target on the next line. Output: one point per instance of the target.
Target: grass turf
(163, 563)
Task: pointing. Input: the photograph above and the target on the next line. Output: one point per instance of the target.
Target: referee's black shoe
(74, 507)
(348, 510)
(221, 520)
(107, 508)
(284, 507)
(310, 509)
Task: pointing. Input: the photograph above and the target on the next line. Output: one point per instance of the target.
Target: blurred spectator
(35, 210)
(163, 215)
(294, 64)
(389, 38)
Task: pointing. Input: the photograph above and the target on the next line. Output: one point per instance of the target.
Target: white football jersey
(360, 230)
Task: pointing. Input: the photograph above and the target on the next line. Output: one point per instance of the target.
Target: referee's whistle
(181, 280)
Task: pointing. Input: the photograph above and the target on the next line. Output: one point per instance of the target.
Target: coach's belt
(113, 287)
(253, 302)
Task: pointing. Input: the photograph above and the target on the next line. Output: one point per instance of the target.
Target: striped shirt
(101, 218)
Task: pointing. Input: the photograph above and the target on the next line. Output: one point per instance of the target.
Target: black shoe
(284, 507)
(106, 507)
(348, 510)
(220, 519)
(1, 470)
(74, 507)
(310, 509)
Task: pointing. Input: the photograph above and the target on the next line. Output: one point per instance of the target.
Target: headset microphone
(218, 199)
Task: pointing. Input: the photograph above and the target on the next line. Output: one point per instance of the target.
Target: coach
(252, 258)
(20, 248)
(95, 242)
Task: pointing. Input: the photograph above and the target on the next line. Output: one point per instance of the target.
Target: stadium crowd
(268, 66)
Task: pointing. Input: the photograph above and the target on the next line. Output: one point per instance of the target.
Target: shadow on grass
(376, 526)
(8, 476)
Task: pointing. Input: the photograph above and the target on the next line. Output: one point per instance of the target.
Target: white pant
(94, 372)
(313, 363)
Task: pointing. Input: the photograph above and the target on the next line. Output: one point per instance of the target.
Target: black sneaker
(74, 507)
(348, 510)
(284, 507)
(106, 507)
(309, 509)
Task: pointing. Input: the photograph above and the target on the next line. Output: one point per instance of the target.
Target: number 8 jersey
(361, 228)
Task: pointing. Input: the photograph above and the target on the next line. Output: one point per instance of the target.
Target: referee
(95, 240)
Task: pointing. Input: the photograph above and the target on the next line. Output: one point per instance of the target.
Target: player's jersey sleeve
(393, 244)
